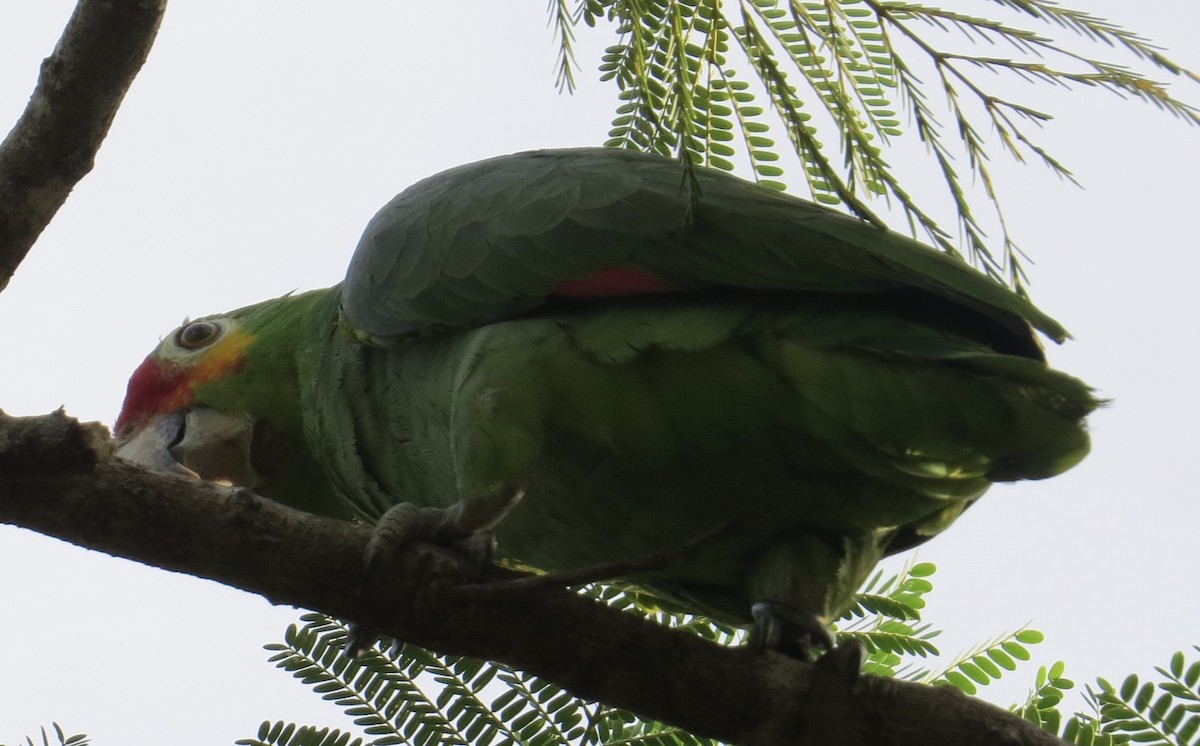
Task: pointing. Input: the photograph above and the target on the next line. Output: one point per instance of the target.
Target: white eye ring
(198, 334)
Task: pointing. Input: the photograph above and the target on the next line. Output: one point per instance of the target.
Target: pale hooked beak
(202, 443)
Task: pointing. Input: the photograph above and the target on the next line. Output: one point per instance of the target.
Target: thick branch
(241, 540)
(54, 143)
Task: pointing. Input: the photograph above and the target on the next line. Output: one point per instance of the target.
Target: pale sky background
(260, 138)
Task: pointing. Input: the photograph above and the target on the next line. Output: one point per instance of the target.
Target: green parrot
(596, 358)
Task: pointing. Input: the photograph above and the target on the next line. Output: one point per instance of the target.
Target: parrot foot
(400, 527)
(844, 663)
(359, 638)
(404, 524)
(780, 627)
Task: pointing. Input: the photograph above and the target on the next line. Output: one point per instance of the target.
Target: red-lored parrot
(597, 358)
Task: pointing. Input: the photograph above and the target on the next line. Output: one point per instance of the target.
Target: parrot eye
(197, 334)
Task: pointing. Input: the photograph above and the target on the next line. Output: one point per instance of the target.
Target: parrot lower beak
(217, 447)
(201, 443)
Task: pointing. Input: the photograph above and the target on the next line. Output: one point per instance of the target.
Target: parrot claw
(478, 548)
(844, 663)
(359, 637)
(404, 524)
(780, 627)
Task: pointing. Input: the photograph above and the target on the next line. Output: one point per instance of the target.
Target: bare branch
(54, 143)
(596, 652)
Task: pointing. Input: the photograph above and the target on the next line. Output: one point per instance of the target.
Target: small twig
(597, 573)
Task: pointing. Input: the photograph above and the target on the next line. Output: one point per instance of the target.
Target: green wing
(495, 239)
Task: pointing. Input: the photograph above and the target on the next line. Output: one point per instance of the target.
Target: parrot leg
(778, 626)
(464, 527)
(800, 582)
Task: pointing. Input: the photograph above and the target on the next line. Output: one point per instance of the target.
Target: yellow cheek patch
(225, 357)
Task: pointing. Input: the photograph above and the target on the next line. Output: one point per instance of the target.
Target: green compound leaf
(837, 82)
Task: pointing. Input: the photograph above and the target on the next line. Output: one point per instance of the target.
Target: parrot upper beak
(201, 443)
(150, 446)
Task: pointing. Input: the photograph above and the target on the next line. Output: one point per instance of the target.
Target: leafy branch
(62, 739)
(840, 71)
(464, 700)
(1159, 713)
(523, 708)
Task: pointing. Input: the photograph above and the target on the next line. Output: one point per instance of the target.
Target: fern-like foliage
(1043, 708)
(407, 695)
(62, 739)
(290, 734)
(886, 618)
(985, 663)
(841, 79)
(1165, 712)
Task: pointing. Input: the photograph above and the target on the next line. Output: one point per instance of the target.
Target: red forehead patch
(159, 386)
(155, 386)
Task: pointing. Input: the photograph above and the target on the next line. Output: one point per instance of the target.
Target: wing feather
(493, 239)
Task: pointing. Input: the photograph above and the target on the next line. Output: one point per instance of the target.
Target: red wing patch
(613, 282)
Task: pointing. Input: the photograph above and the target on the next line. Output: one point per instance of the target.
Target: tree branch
(58, 477)
(54, 143)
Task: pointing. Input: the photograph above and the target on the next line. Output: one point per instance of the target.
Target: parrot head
(196, 402)
(196, 353)
(166, 422)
